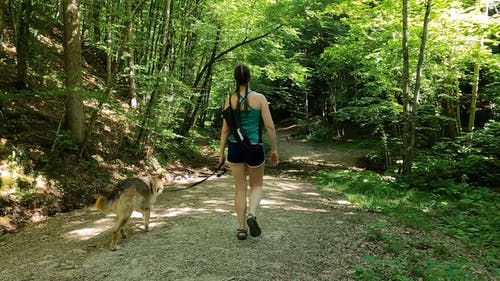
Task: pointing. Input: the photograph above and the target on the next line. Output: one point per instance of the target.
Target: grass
(465, 214)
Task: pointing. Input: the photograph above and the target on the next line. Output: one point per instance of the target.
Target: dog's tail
(101, 203)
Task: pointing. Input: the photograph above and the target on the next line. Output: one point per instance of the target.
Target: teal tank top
(250, 122)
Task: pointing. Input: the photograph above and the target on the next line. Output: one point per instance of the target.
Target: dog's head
(157, 184)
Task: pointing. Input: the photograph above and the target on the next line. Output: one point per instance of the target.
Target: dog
(133, 194)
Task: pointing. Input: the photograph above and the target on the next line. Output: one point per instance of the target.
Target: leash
(201, 181)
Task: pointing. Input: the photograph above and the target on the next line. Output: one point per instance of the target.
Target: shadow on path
(192, 237)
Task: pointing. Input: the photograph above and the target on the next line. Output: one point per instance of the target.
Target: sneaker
(253, 225)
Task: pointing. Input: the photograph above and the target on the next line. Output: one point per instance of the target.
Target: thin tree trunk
(406, 168)
(149, 40)
(3, 8)
(418, 79)
(306, 106)
(128, 29)
(73, 70)
(165, 34)
(132, 89)
(458, 116)
(23, 41)
(96, 12)
(448, 104)
(475, 81)
(473, 99)
(11, 6)
(190, 119)
(109, 38)
(145, 121)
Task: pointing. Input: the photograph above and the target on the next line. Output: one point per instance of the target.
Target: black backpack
(234, 125)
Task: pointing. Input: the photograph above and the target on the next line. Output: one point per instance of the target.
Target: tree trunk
(473, 99)
(73, 71)
(145, 121)
(475, 80)
(11, 7)
(448, 104)
(132, 86)
(2, 18)
(132, 93)
(190, 119)
(109, 53)
(96, 27)
(128, 29)
(458, 116)
(165, 34)
(410, 110)
(22, 46)
(406, 168)
(418, 79)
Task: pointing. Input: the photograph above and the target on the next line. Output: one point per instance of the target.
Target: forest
(92, 91)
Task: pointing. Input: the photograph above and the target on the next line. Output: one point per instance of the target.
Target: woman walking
(251, 107)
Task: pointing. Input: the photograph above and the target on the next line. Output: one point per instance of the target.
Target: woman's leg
(256, 176)
(240, 192)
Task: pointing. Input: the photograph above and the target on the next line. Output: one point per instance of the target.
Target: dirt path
(306, 236)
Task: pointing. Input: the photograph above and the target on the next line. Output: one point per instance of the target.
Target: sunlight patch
(311, 193)
(217, 202)
(298, 208)
(288, 187)
(265, 202)
(178, 212)
(87, 233)
(136, 214)
(343, 202)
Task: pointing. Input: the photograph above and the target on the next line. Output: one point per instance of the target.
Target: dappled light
(386, 122)
(287, 196)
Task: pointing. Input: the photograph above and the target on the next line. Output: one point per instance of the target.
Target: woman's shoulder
(257, 95)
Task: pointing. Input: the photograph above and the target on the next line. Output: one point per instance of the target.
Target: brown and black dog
(133, 194)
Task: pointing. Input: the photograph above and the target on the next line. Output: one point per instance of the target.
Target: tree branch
(137, 7)
(223, 53)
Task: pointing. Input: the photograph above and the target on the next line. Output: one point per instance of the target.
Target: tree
(74, 115)
(475, 79)
(23, 41)
(2, 19)
(411, 121)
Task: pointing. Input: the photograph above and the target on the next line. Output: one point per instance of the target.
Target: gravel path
(305, 237)
(308, 234)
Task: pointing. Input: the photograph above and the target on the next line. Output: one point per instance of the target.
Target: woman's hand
(275, 159)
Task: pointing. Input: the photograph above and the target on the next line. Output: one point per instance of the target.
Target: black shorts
(253, 160)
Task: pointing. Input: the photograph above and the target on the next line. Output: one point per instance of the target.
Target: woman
(252, 108)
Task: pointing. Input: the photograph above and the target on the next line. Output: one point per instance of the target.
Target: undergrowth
(464, 212)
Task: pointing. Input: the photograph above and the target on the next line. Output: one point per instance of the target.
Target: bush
(472, 158)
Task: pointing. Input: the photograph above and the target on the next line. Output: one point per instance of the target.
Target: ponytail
(242, 77)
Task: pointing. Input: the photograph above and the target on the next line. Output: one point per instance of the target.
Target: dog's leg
(146, 213)
(123, 233)
(118, 232)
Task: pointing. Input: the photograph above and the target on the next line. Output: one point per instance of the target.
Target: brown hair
(242, 77)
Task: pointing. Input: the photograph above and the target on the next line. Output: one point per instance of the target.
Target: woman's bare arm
(271, 131)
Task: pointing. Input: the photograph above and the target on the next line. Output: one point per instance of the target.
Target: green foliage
(64, 141)
(400, 270)
(464, 212)
(472, 159)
